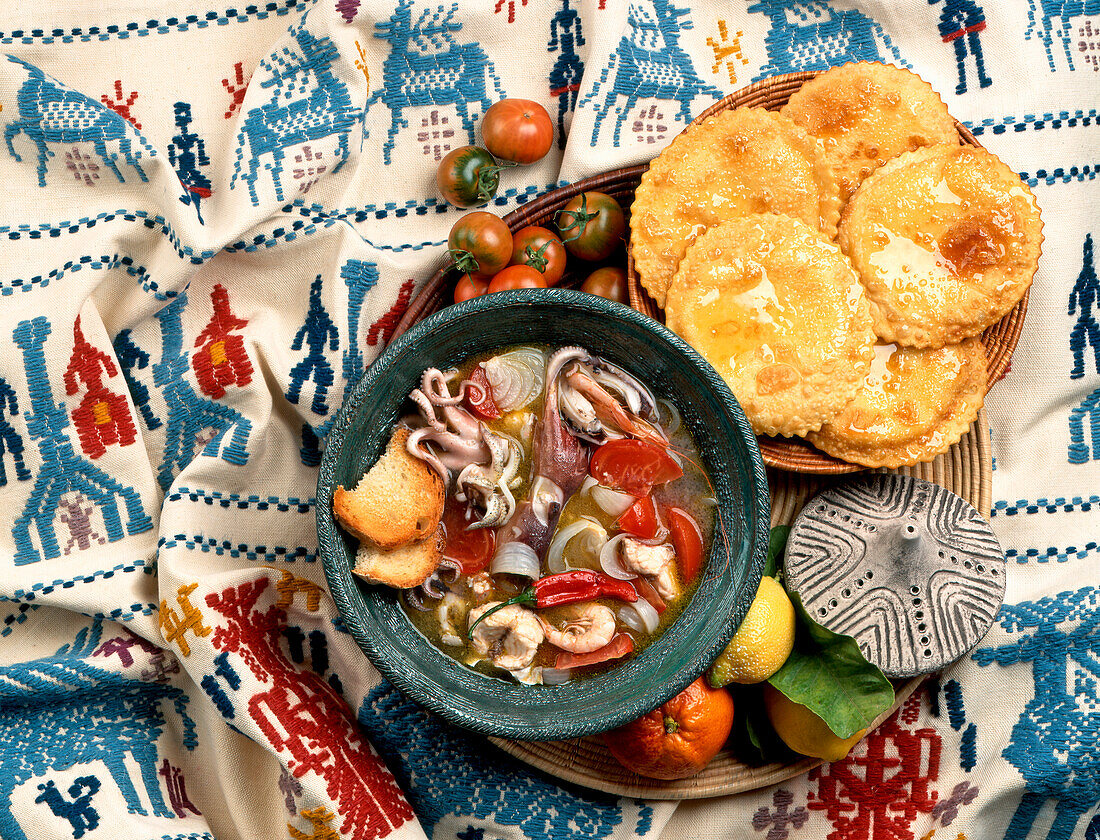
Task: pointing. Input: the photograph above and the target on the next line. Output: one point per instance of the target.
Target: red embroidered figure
(103, 417)
(237, 88)
(222, 358)
(120, 103)
(383, 328)
(307, 722)
(878, 790)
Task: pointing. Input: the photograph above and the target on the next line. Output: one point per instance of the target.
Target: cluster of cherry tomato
(491, 259)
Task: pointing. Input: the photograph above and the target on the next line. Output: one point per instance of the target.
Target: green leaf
(828, 674)
(753, 740)
(777, 542)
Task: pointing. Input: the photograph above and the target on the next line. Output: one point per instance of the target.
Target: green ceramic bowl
(555, 317)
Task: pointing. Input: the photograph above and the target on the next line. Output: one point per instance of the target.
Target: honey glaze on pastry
(913, 405)
(946, 241)
(778, 311)
(736, 163)
(867, 113)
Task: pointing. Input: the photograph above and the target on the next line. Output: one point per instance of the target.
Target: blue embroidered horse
(62, 470)
(78, 809)
(649, 63)
(1053, 744)
(107, 720)
(1065, 11)
(190, 415)
(308, 103)
(50, 113)
(426, 66)
(810, 35)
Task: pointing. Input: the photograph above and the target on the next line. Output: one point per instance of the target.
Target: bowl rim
(354, 599)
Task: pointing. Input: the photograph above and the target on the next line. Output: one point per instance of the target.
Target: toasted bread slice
(399, 500)
(403, 567)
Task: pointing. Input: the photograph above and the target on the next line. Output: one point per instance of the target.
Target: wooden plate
(965, 469)
(796, 454)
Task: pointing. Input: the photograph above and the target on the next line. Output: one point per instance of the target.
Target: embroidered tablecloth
(213, 216)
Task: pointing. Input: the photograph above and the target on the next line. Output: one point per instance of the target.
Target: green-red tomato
(470, 287)
(542, 250)
(592, 226)
(468, 176)
(517, 277)
(607, 282)
(480, 244)
(518, 130)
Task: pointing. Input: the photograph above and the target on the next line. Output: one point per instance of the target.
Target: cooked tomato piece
(640, 519)
(617, 648)
(479, 398)
(648, 592)
(687, 539)
(633, 466)
(472, 550)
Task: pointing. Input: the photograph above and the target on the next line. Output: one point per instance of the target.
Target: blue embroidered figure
(1065, 11)
(314, 333)
(62, 469)
(649, 63)
(1085, 332)
(308, 103)
(10, 441)
(565, 76)
(131, 357)
(187, 152)
(78, 810)
(1053, 744)
(107, 720)
(189, 415)
(50, 113)
(449, 778)
(426, 66)
(360, 277)
(960, 23)
(810, 35)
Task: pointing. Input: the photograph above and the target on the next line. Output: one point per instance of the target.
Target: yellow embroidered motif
(319, 818)
(175, 626)
(291, 584)
(723, 52)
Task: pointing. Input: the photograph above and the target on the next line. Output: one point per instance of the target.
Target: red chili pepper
(566, 588)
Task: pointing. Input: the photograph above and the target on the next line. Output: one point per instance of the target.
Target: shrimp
(509, 638)
(652, 561)
(480, 586)
(589, 627)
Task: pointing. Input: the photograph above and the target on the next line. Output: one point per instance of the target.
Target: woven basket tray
(794, 453)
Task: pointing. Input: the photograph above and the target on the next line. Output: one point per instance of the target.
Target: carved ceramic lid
(906, 567)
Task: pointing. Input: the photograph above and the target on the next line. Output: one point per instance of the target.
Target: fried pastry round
(776, 308)
(737, 162)
(946, 241)
(913, 405)
(866, 113)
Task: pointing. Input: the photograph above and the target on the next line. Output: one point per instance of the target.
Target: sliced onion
(556, 676)
(609, 559)
(640, 616)
(555, 555)
(614, 502)
(674, 420)
(516, 558)
(588, 483)
(517, 377)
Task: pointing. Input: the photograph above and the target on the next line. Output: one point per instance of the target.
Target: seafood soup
(576, 517)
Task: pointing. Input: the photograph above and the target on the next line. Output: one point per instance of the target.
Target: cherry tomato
(518, 130)
(648, 592)
(541, 249)
(517, 277)
(619, 646)
(687, 539)
(592, 226)
(640, 519)
(468, 176)
(608, 282)
(633, 466)
(480, 244)
(479, 395)
(472, 550)
(470, 287)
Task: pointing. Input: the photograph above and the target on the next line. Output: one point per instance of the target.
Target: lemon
(763, 641)
(804, 731)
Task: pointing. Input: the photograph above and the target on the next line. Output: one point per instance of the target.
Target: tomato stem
(581, 217)
(464, 261)
(538, 259)
(488, 179)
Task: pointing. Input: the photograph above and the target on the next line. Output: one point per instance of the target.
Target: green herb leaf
(828, 674)
(753, 739)
(777, 542)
